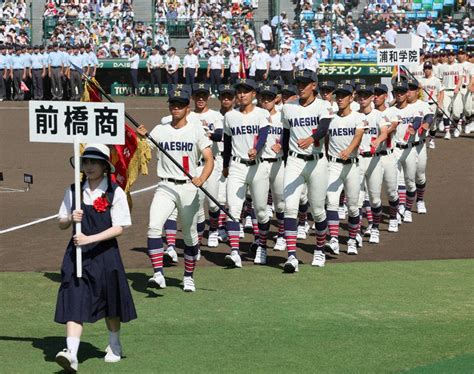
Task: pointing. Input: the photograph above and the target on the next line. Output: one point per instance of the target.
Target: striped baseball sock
(353, 226)
(190, 257)
(262, 236)
(291, 225)
(200, 230)
(171, 227)
(233, 229)
(368, 211)
(213, 221)
(222, 219)
(254, 223)
(410, 199)
(321, 230)
(447, 124)
(393, 208)
(377, 214)
(333, 223)
(402, 195)
(155, 251)
(420, 191)
(303, 214)
(281, 223)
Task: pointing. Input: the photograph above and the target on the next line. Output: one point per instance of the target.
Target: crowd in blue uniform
(42, 73)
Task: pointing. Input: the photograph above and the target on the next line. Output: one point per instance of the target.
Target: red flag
(243, 62)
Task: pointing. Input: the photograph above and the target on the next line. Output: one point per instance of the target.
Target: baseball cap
(268, 89)
(365, 88)
(380, 87)
(355, 82)
(278, 83)
(249, 83)
(289, 88)
(306, 76)
(201, 87)
(327, 84)
(400, 86)
(412, 82)
(344, 88)
(261, 45)
(177, 95)
(226, 88)
(427, 65)
(309, 50)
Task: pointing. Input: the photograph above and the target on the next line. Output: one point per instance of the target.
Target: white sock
(114, 340)
(73, 345)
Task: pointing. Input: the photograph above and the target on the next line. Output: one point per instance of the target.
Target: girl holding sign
(102, 291)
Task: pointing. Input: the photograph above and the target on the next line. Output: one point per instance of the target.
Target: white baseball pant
(276, 172)
(371, 175)
(345, 176)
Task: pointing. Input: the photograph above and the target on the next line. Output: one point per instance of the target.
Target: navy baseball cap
(413, 83)
(365, 88)
(400, 86)
(330, 85)
(226, 88)
(344, 88)
(268, 89)
(357, 81)
(178, 95)
(201, 87)
(380, 87)
(249, 83)
(427, 65)
(278, 83)
(306, 76)
(182, 87)
(289, 88)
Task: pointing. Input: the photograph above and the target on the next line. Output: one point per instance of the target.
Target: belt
(344, 162)
(386, 152)
(55, 67)
(370, 154)
(245, 162)
(38, 69)
(271, 160)
(410, 145)
(312, 157)
(176, 181)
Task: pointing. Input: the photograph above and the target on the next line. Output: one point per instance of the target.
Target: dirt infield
(445, 232)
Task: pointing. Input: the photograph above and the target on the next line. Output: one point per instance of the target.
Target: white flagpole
(77, 186)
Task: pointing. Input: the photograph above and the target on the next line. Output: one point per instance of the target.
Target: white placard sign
(397, 56)
(62, 121)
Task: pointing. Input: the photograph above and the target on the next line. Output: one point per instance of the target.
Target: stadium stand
(15, 27)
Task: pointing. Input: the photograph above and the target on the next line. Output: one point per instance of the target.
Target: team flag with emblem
(129, 159)
(243, 62)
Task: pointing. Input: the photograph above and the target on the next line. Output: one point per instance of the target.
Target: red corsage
(101, 204)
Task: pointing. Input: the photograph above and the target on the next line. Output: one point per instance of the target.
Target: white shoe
(233, 259)
(171, 253)
(468, 128)
(222, 235)
(447, 136)
(352, 247)
(241, 233)
(359, 240)
(368, 230)
(248, 223)
(333, 246)
(319, 259)
(457, 131)
(213, 239)
(342, 212)
(432, 144)
(157, 281)
(301, 233)
(374, 236)
(260, 256)
(280, 244)
(421, 207)
(313, 227)
(198, 256)
(67, 361)
(291, 265)
(188, 284)
(441, 126)
(393, 225)
(400, 214)
(407, 217)
(306, 227)
(111, 356)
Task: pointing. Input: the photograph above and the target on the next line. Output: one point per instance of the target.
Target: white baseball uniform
(452, 103)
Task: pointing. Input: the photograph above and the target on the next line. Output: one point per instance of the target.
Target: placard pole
(78, 193)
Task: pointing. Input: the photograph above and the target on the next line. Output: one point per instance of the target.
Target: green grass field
(360, 318)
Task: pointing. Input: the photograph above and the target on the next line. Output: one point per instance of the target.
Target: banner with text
(397, 56)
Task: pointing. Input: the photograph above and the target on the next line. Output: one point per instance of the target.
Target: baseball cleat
(441, 127)
(171, 253)
(393, 225)
(157, 281)
(319, 259)
(457, 131)
(447, 136)
(468, 128)
(301, 233)
(291, 265)
(333, 246)
(260, 256)
(213, 239)
(421, 207)
(188, 284)
(113, 355)
(233, 259)
(248, 223)
(432, 144)
(374, 236)
(359, 240)
(280, 244)
(368, 230)
(352, 247)
(223, 237)
(407, 217)
(67, 361)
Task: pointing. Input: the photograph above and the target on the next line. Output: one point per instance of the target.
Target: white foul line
(56, 215)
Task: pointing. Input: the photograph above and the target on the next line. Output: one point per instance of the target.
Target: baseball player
(387, 157)
(186, 141)
(272, 160)
(433, 91)
(305, 124)
(452, 102)
(245, 135)
(345, 134)
(470, 97)
(466, 83)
